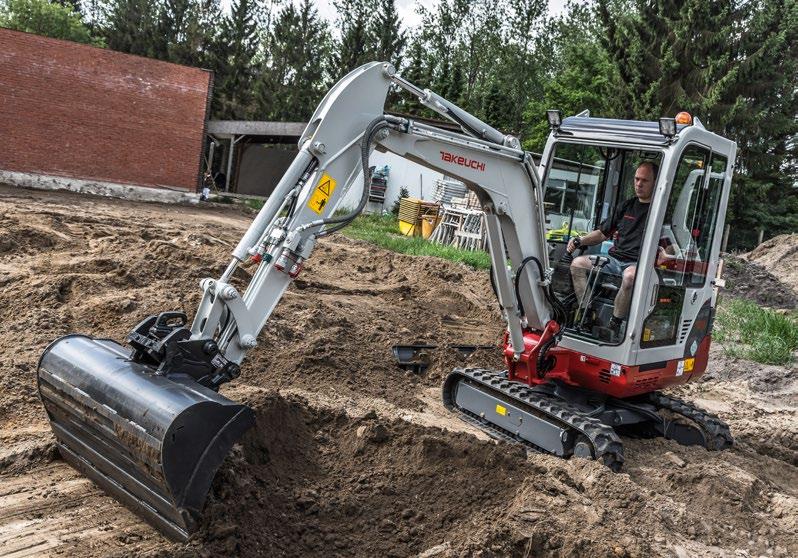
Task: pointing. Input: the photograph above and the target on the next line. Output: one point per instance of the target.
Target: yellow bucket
(428, 225)
(407, 229)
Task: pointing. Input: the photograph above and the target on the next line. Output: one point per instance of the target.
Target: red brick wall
(74, 110)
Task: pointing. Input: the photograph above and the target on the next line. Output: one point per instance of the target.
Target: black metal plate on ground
(409, 356)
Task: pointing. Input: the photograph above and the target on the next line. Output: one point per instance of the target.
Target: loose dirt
(351, 455)
(779, 256)
(750, 280)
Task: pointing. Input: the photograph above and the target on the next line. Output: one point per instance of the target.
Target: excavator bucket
(151, 442)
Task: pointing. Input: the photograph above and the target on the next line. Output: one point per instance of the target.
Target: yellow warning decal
(688, 364)
(501, 410)
(322, 193)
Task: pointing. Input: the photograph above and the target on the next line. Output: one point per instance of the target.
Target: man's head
(645, 177)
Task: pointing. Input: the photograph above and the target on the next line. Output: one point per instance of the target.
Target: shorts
(616, 267)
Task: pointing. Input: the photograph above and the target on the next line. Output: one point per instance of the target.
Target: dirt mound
(349, 457)
(319, 483)
(749, 280)
(779, 256)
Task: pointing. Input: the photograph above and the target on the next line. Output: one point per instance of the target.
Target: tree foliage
(580, 75)
(292, 76)
(369, 30)
(60, 21)
(733, 63)
(234, 60)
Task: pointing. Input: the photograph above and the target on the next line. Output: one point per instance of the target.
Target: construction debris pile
(352, 455)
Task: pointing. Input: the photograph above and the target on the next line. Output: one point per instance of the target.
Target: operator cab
(586, 188)
(587, 180)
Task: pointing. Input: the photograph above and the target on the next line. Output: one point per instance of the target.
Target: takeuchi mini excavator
(145, 421)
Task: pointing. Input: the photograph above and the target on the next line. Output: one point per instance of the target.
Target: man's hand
(573, 244)
(663, 257)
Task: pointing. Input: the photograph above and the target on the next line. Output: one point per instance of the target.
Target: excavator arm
(333, 156)
(148, 424)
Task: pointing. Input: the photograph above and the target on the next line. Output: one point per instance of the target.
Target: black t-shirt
(626, 227)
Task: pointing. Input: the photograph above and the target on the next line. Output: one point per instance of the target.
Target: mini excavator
(146, 422)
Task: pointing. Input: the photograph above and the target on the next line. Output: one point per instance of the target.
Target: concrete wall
(82, 112)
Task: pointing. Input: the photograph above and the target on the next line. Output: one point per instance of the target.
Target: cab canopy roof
(622, 131)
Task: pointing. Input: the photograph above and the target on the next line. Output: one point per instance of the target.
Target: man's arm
(590, 239)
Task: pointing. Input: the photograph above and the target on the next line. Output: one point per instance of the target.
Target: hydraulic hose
(374, 126)
(545, 362)
(559, 311)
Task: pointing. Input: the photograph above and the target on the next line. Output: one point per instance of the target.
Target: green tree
(186, 30)
(579, 74)
(482, 55)
(389, 36)
(735, 65)
(292, 78)
(235, 61)
(74, 4)
(356, 45)
(522, 66)
(45, 18)
(130, 26)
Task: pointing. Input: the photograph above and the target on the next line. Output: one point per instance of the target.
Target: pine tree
(130, 26)
(186, 30)
(389, 36)
(292, 78)
(234, 61)
(356, 45)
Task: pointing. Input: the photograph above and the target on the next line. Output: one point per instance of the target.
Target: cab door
(680, 308)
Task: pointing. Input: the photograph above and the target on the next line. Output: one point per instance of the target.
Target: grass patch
(254, 203)
(383, 230)
(749, 331)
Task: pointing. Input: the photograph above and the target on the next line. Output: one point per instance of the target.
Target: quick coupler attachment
(152, 442)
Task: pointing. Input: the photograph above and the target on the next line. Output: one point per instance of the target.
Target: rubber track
(717, 433)
(607, 446)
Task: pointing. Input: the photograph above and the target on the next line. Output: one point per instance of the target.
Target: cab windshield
(592, 188)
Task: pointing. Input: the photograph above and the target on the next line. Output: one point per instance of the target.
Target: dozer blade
(152, 443)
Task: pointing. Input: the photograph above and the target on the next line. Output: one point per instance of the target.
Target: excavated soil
(750, 280)
(779, 256)
(351, 455)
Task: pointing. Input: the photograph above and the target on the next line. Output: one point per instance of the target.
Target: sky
(406, 9)
(407, 12)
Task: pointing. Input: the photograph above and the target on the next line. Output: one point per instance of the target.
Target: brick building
(75, 113)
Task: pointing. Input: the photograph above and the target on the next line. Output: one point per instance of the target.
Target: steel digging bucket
(151, 442)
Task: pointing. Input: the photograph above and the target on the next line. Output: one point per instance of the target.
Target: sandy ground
(351, 455)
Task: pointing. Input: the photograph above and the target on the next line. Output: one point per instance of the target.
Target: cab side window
(705, 222)
(689, 225)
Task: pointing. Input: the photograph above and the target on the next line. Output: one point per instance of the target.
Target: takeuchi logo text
(462, 161)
